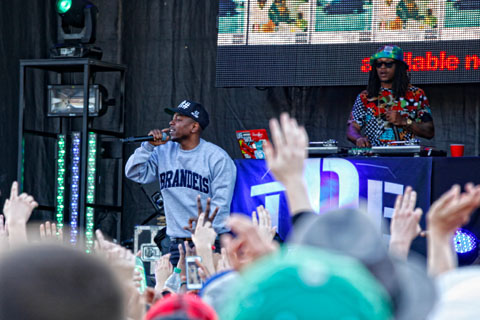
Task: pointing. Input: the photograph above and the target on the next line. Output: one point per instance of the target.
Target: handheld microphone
(143, 138)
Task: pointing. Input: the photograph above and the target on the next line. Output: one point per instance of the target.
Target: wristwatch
(409, 122)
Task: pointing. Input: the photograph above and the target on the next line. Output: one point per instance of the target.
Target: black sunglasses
(387, 65)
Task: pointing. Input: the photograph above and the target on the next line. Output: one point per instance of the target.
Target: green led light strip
(60, 190)
(91, 174)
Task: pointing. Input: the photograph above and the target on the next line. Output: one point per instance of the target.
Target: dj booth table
(370, 182)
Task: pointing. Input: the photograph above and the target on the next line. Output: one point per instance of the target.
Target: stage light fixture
(464, 241)
(60, 182)
(76, 30)
(63, 6)
(74, 186)
(67, 100)
(91, 175)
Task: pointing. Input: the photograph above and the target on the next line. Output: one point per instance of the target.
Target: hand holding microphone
(155, 137)
(159, 136)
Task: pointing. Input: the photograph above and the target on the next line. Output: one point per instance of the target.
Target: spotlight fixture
(91, 176)
(76, 29)
(466, 246)
(60, 181)
(67, 100)
(464, 241)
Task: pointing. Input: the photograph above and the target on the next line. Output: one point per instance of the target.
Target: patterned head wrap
(388, 51)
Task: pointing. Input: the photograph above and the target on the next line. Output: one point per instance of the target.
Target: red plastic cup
(456, 150)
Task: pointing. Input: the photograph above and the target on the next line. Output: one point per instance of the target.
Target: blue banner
(370, 183)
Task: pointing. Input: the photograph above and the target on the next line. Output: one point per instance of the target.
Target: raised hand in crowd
(17, 210)
(3, 234)
(122, 261)
(204, 239)
(248, 245)
(182, 265)
(163, 269)
(189, 251)
(208, 216)
(216, 257)
(220, 261)
(286, 157)
(181, 259)
(264, 223)
(451, 211)
(119, 257)
(405, 225)
(223, 264)
(50, 232)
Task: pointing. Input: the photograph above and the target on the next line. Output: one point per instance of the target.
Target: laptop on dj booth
(251, 143)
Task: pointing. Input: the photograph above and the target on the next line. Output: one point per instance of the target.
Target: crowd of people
(332, 266)
(228, 266)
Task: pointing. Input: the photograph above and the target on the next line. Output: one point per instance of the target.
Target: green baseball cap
(307, 283)
(388, 51)
(407, 282)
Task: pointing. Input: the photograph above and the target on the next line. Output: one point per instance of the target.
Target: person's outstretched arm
(285, 158)
(405, 223)
(17, 210)
(451, 211)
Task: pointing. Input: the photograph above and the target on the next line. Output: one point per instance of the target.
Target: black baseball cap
(192, 110)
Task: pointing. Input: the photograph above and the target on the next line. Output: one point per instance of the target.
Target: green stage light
(63, 6)
(91, 175)
(60, 192)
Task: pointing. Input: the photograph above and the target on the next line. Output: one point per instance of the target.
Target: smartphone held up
(194, 282)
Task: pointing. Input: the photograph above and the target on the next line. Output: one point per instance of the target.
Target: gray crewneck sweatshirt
(207, 170)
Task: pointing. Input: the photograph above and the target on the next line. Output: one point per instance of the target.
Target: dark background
(170, 50)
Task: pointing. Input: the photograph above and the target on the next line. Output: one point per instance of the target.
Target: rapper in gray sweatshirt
(207, 170)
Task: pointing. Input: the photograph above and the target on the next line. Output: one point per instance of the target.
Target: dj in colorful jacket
(391, 109)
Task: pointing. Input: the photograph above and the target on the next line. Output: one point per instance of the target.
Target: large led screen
(328, 42)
